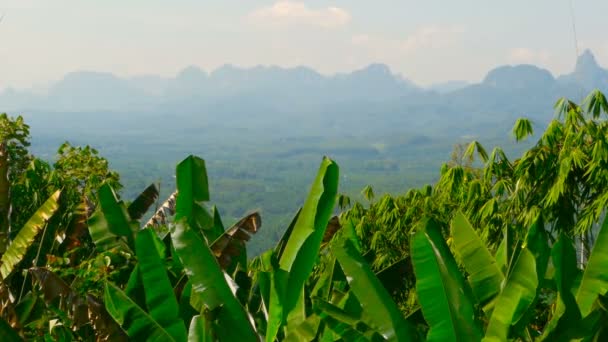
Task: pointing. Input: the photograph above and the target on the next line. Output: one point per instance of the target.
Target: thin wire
(574, 27)
(576, 50)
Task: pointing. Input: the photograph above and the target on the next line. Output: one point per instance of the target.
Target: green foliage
(379, 311)
(210, 285)
(446, 300)
(485, 278)
(14, 158)
(487, 252)
(17, 249)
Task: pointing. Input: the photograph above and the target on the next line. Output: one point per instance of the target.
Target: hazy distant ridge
(94, 91)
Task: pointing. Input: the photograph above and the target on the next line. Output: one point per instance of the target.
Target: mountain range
(300, 101)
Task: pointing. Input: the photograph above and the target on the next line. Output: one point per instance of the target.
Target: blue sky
(427, 41)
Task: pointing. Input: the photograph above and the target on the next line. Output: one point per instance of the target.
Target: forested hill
(263, 130)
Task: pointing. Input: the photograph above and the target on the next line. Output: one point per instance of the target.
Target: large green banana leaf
(485, 276)
(379, 310)
(444, 296)
(17, 249)
(301, 250)
(566, 316)
(111, 221)
(515, 298)
(192, 186)
(537, 243)
(595, 278)
(192, 189)
(210, 285)
(135, 321)
(160, 300)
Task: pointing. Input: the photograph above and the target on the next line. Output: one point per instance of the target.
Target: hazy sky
(425, 40)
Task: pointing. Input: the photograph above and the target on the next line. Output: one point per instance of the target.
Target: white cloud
(528, 56)
(297, 13)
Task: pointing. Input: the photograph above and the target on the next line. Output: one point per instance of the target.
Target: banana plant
(17, 249)
(448, 298)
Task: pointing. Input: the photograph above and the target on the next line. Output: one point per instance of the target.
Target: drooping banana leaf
(160, 300)
(210, 284)
(142, 203)
(24, 239)
(595, 278)
(332, 228)
(515, 298)
(446, 300)
(484, 275)
(81, 310)
(111, 223)
(229, 248)
(134, 320)
(167, 208)
(379, 310)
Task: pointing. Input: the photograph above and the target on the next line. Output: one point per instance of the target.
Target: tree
(14, 157)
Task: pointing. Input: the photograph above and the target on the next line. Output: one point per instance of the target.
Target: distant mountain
(302, 102)
(588, 74)
(519, 77)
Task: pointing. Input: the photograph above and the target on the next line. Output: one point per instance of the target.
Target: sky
(426, 41)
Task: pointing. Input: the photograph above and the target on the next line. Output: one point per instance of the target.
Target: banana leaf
(444, 296)
(27, 234)
(134, 320)
(515, 298)
(595, 278)
(192, 186)
(229, 248)
(110, 222)
(160, 300)
(210, 284)
(379, 310)
(167, 208)
(142, 203)
(537, 243)
(485, 276)
(82, 310)
(200, 330)
(566, 316)
(300, 252)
